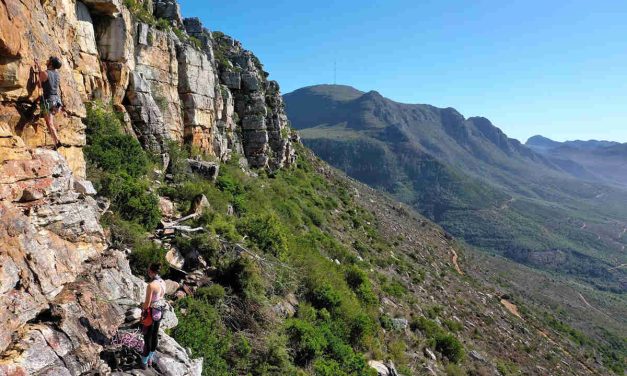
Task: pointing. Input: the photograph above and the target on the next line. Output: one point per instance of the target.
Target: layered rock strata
(164, 77)
(64, 293)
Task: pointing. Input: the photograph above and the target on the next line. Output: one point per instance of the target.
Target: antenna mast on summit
(334, 72)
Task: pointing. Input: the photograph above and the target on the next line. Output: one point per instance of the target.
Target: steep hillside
(592, 160)
(472, 179)
(304, 271)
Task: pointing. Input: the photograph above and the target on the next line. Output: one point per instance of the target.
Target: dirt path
(620, 236)
(585, 301)
(455, 264)
(618, 266)
(511, 307)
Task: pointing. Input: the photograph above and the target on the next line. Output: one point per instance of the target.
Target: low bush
(324, 296)
(305, 340)
(212, 294)
(450, 347)
(201, 330)
(267, 233)
(243, 276)
(125, 234)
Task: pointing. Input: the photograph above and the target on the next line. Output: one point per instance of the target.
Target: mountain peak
(334, 92)
(539, 143)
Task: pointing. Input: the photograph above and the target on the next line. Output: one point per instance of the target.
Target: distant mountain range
(600, 160)
(536, 204)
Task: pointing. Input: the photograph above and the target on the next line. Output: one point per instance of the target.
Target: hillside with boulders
(176, 149)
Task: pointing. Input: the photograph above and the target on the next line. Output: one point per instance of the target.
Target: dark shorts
(52, 104)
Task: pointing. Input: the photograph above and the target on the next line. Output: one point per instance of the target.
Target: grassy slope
(563, 226)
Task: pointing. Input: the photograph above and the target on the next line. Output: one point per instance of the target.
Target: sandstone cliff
(63, 290)
(162, 75)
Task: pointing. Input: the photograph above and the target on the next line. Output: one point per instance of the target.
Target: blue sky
(556, 68)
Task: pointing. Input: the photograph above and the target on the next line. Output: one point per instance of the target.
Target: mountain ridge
(465, 173)
(590, 160)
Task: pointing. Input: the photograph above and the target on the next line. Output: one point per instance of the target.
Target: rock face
(258, 103)
(64, 294)
(169, 86)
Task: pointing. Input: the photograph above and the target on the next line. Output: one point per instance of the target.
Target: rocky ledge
(64, 293)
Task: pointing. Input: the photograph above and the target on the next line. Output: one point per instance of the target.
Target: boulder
(84, 187)
(383, 369)
(166, 206)
(169, 10)
(200, 204)
(169, 319)
(207, 169)
(171, 286)
(175, 259)
(173, 360)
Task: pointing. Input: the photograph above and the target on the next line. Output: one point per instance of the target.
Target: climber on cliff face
(49, 80)
(152, 312)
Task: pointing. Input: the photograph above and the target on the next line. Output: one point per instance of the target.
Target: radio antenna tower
(334, 72)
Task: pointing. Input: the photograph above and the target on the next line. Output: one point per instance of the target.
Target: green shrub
(452, 325)
(145, 254)
(117, 165)
(274, 359)
(395, 289)
(139, 9)
(386, 322)
(131, 199)
(200, 330)
(125, 234)
(212, 294)
(428, 327)
(507, 368)
(362, 326)
(450, 347)
(243, 276)
(328, 367)
(453, 370)
(267, 233)
(206, 245)
(324, 296)
(242, 347)
(305, 340)
(358, 281)
(355, 277)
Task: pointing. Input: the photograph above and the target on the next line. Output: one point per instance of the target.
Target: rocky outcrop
(35, 30)
(64, 293)
(258, 103)
(169, 86)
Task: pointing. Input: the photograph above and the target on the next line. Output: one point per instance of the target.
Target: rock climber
(152, 312)
(49, 80)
